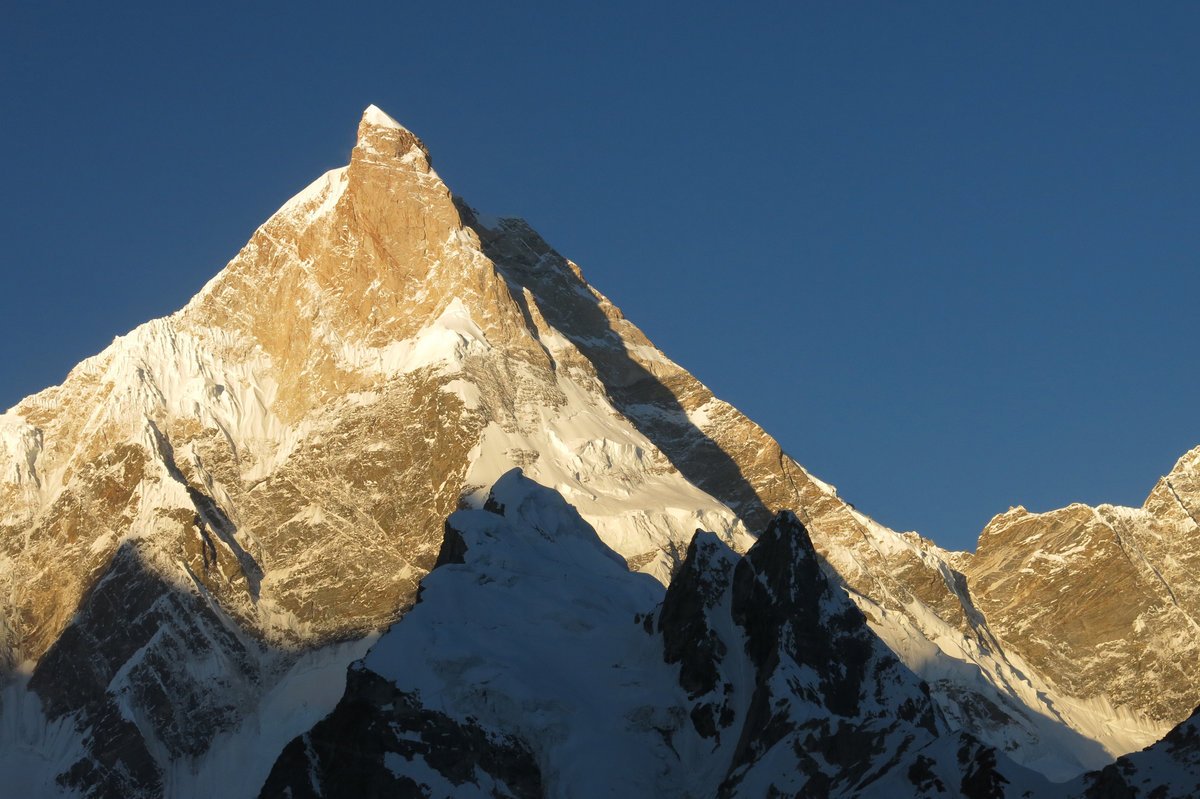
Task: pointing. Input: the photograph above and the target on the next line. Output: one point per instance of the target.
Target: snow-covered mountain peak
(380, 136)
(531, 506)
(377, 117)
(286, 452)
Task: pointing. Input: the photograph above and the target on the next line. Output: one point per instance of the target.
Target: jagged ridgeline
(208, 526)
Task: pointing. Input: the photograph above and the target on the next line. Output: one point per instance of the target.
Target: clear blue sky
(947, 253)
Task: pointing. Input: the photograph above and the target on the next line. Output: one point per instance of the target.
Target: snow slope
(532, 635)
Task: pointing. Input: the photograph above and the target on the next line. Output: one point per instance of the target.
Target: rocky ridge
(1106, 599)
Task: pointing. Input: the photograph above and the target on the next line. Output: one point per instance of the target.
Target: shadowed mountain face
(114, 670)
(1170, 769)
(527, 670)
(534, 663)
(381, 741)
(258, 483)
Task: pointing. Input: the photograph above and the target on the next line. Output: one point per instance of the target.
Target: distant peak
(377, 118)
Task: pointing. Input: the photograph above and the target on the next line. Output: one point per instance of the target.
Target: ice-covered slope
(1170, 769)
(277, 459)
(536, 664)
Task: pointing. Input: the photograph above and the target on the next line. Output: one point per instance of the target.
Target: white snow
(20, 447)
(620, 482)
(444, 343)
(1056, 735)
(33, 749)
(616, 478)
(317, 199)
(536, 637)
(237, 763)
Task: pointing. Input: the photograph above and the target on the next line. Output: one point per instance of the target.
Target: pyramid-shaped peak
(382, 137)
(378, 118)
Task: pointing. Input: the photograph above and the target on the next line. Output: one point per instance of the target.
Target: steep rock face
(1176, 496)
(804, 637)
(532, 645)
(252, 401)
(691, 633)
(710, 442)
(1103, 601)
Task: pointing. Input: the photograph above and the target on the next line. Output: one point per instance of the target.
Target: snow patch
(20, 448)
(444, 344)
(376, 117)
(317, 199)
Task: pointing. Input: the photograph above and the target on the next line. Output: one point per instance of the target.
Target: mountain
(1104, 599)
(211, 519)
(536, 661)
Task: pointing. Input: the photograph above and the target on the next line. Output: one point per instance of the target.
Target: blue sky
(946, 253)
